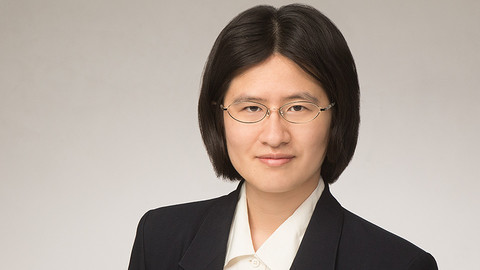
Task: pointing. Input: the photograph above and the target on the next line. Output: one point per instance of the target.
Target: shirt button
(255, 263)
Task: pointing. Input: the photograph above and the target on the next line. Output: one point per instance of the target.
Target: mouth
(275, 160)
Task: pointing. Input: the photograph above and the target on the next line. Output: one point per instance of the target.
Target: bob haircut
(308, 38)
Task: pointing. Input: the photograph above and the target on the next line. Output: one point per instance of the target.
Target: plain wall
(98, 123)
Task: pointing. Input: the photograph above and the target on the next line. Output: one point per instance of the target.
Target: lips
(275, 160)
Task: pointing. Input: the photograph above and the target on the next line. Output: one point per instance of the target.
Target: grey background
(98, 123)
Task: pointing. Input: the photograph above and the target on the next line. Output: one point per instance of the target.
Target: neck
(267, 211)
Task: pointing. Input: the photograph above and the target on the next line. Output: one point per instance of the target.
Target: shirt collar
(279, 250)
(240, 239)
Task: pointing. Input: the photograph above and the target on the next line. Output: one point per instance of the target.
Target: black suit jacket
(194, 236)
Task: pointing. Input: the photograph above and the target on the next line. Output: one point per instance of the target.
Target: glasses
(296, 112)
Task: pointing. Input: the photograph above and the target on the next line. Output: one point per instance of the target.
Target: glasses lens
(299, 112)
(247, 111)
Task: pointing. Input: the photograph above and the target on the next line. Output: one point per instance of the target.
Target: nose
(275, 132)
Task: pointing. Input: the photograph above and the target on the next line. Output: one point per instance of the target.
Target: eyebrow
(248, 98)
(303, 96)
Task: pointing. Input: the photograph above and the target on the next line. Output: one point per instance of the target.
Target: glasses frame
(279, 109)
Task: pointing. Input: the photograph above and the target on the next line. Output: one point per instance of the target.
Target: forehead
(276, 79)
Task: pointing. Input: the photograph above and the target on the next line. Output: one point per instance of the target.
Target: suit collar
(318, 249)
(208, 248)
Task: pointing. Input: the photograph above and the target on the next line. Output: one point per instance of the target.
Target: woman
(279, 112)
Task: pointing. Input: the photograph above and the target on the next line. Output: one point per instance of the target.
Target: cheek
(238, 140)
(315, 143)
(229, 135)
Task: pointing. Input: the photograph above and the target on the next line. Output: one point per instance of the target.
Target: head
(308, 39)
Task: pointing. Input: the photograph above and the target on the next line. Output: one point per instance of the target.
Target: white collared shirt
(279, 250)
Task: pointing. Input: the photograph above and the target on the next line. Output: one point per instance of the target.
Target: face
(273, 155)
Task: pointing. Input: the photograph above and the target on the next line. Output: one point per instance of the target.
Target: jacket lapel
(208, 248)
(318, 249)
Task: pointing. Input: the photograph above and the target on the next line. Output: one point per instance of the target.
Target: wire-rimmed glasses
(296, 112)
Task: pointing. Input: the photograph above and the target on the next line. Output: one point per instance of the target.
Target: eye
(296, 108)
(252, 109)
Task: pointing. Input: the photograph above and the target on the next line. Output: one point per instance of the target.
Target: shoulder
(178, 223)
(363, 241)
(180, 213)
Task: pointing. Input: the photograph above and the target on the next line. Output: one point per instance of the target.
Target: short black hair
(305, 36)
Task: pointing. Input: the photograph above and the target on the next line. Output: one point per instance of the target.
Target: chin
(274, 184)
